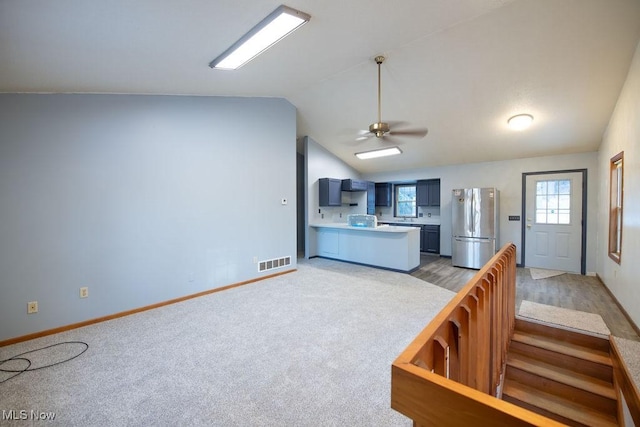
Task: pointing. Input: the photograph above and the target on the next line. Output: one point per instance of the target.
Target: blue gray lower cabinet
(430, 241)
(429, 236)
(395, 248)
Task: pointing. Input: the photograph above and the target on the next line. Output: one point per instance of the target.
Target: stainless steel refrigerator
(474, 226)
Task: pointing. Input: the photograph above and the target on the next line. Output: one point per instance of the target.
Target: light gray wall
(321, 163)
(623, 134)
(140, 198)
(506, 176)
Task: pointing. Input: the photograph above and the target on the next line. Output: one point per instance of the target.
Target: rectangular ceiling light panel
(378, 153)
(268, 32)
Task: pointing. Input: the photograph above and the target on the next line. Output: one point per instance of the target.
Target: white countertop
(412, 223)
(379, 228)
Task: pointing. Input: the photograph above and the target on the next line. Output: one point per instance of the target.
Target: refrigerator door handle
(472, 212)
(474, 239)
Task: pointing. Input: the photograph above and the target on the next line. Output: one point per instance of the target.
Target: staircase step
(564, 376)
(575, 364)
(567, 384)
(530, 326)
(553, 406)
(569, 349)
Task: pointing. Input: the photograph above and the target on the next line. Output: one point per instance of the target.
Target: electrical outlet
(84, 292)
(32, 307)
(255, 259)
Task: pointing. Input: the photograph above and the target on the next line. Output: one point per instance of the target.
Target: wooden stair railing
(453, 370)
(450, 373)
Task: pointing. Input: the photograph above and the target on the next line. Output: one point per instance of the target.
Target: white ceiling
(458, 67)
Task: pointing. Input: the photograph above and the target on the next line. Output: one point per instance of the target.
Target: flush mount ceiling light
(378, 153)
(268, 32)
(520, 121)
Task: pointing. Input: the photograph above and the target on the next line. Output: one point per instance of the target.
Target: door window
(553, 202)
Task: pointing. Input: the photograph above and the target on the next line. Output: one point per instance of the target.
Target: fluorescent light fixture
(268, 32)
(378, 153)
(520, 121)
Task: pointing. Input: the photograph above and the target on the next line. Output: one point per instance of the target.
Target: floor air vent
(274, 263)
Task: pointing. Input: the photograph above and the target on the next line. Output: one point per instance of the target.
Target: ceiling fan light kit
(276, 26)
(520, 121)
(383, 152)
(379, 129)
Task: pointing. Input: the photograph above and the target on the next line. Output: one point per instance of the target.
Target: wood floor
(572, 291)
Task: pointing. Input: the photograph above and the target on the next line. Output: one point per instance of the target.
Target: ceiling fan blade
(363, 135)
(387, 139)
(360, 137)
(417, 133)
(396, 123)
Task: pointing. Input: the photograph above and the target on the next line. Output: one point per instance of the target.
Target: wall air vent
(274, 263)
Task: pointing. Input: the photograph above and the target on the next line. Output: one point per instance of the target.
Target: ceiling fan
(382, 129)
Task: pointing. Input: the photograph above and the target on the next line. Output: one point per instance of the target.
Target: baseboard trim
(135, 310)
(370, 265)
(624, 312)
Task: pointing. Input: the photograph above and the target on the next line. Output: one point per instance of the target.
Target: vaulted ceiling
(460, 68)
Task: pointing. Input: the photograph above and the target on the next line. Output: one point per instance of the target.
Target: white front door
(553, 221)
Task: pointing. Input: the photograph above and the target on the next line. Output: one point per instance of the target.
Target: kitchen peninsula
(386, 246)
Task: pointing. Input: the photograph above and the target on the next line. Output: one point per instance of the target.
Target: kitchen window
(405, 201)
(615, 207)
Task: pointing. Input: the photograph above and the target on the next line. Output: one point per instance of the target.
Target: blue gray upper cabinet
(330, 191)
(428, 192)
(371, 198)
(383, 194)
(354, 185)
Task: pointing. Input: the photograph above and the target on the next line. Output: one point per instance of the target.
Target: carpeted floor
(309, 348)
(630, 353)
(580, 320)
